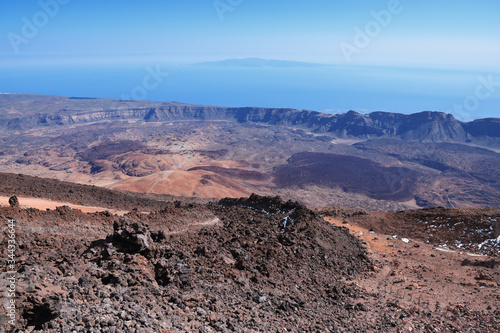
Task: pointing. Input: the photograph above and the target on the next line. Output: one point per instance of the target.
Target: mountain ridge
(21, 112)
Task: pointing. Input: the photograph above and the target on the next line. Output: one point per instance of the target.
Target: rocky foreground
(239, 265)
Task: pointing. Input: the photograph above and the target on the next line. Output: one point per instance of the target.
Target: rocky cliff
(20, 112)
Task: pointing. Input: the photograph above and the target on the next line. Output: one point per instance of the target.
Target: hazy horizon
(393, 55)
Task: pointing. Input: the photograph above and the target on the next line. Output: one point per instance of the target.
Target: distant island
(261, 63)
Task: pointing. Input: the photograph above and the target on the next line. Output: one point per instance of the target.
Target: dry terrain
(219, 159)
(127, 218)
(380, 161)
(44, 204)
(247, 265)
(418, 274)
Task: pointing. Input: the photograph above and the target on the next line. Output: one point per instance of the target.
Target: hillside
(35, 187)
(380, 161)
(242, 265)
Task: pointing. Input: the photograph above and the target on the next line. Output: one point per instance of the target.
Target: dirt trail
(377, 247)
(376, 244)
(44, 204)
(416, 274)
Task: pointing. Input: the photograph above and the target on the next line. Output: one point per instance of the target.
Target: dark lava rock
(38, 311)
(14, 202)
(131, 237)
(246, 271)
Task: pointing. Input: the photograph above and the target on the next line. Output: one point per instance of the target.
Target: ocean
(331, 89)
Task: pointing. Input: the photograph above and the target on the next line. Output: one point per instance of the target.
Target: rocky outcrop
(245, 270)
(14, 202)
(131, 237)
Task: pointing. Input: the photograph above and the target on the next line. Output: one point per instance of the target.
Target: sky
(446, 34)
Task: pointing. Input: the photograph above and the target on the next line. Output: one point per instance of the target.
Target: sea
(467, 95)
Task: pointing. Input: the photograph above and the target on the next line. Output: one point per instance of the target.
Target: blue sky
(452, 35)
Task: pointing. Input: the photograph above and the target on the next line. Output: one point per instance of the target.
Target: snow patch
(442, 249)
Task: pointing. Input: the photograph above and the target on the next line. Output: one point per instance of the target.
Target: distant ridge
(20, 112)
(258, 62)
